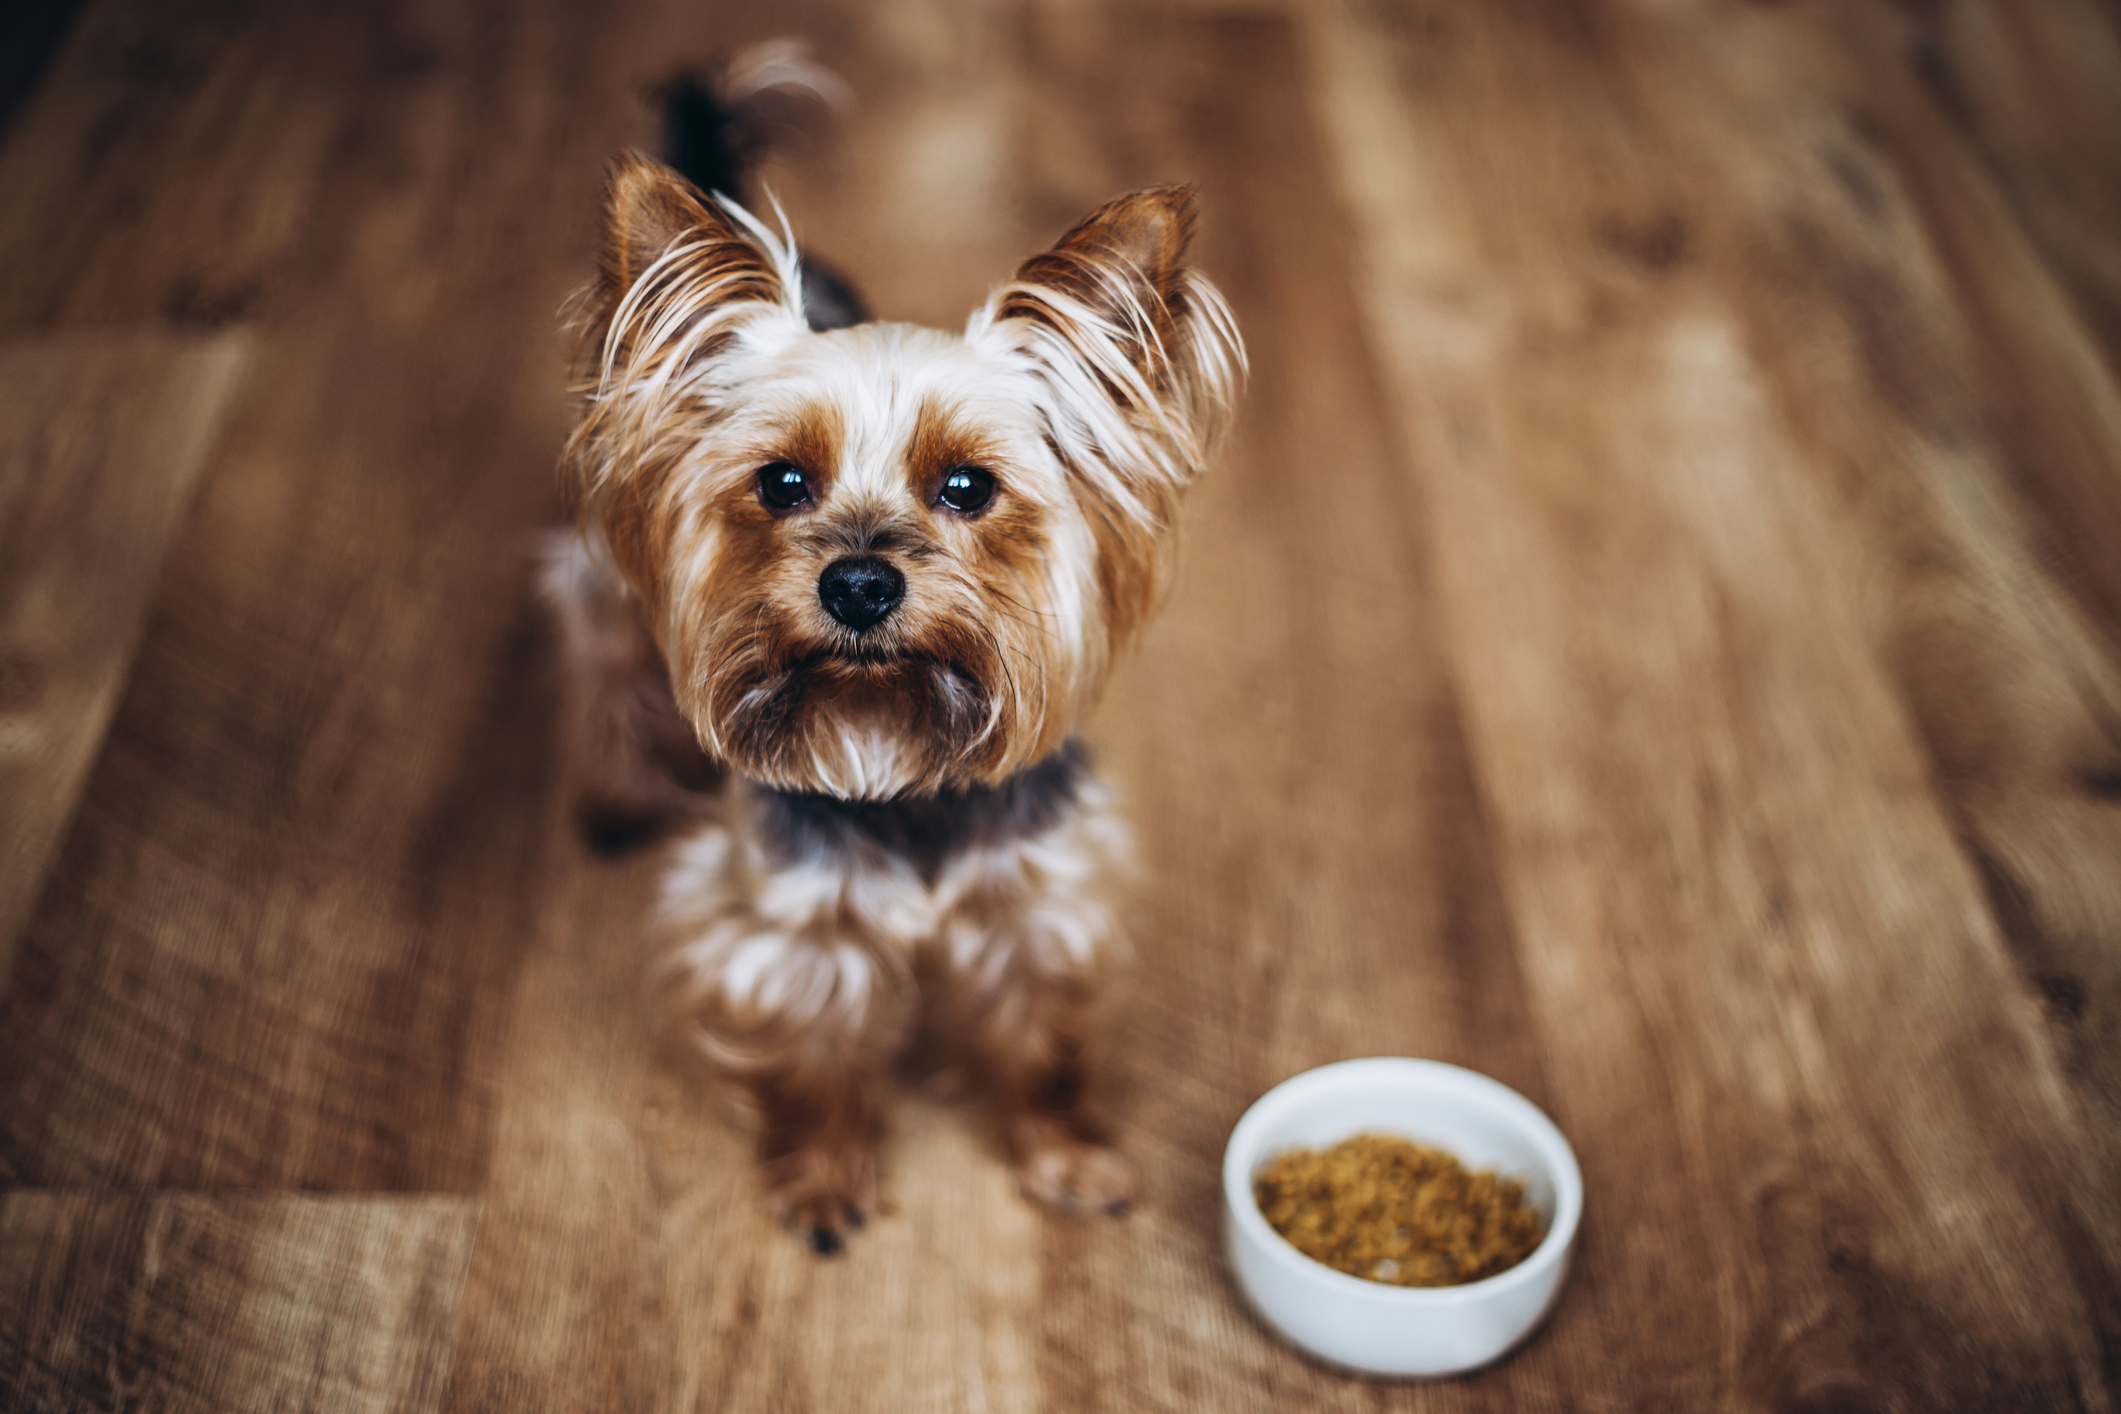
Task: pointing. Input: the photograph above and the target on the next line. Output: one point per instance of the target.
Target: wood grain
(1689, 720)
(190, 1301)
(101, 442)
(299, 748)
(1655, 640)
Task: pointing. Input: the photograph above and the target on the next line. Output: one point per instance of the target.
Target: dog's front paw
(1075, 1175)
(824, 1223)
(823, 1197)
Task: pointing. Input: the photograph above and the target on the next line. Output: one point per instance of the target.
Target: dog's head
(886, 559)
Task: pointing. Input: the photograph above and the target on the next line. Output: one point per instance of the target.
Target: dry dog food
(1392, 1211)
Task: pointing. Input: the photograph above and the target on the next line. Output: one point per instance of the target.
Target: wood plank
(2034, 275)
(277, 944)
(227, 1303)
(102, 437)
(1737, 888)
(564, 1303)
(172, 160)
(2035, 90)
(1916, 409)
(30, 34)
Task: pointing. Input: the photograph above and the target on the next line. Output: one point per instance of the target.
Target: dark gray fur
(926, 831)
(714, 145)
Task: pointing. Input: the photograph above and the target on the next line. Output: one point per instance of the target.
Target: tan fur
(635, 767)
(1093, 388)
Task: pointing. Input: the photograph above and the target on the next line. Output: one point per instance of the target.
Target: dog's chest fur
(1008, 872)
(926, 832)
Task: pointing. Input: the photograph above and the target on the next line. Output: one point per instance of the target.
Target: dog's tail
(719, 122)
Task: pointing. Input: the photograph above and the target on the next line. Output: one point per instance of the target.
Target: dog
(836, 602)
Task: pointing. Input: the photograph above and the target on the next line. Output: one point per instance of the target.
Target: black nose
(859, 592)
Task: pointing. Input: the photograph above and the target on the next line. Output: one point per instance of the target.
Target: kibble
(1392, 1211)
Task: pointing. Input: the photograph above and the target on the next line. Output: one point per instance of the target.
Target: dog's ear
(1141, 364)
(649, 209)
(1122, 327)
(650, 212)
(682, 281)
(1123, 265)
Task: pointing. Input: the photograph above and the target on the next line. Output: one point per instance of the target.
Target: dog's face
(885, 559)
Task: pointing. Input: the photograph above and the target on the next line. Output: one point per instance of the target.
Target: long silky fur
(646, 379)
(1099, 382)
(1136, 415)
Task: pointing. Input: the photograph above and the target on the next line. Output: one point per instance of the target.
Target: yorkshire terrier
(838, 599)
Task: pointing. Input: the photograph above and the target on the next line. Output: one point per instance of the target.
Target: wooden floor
(1656, 640)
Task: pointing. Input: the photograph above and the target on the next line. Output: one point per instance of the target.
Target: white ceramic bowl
(1367, 1326)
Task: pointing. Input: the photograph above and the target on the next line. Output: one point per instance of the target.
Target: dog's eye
(967, 489)
(782, 487)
